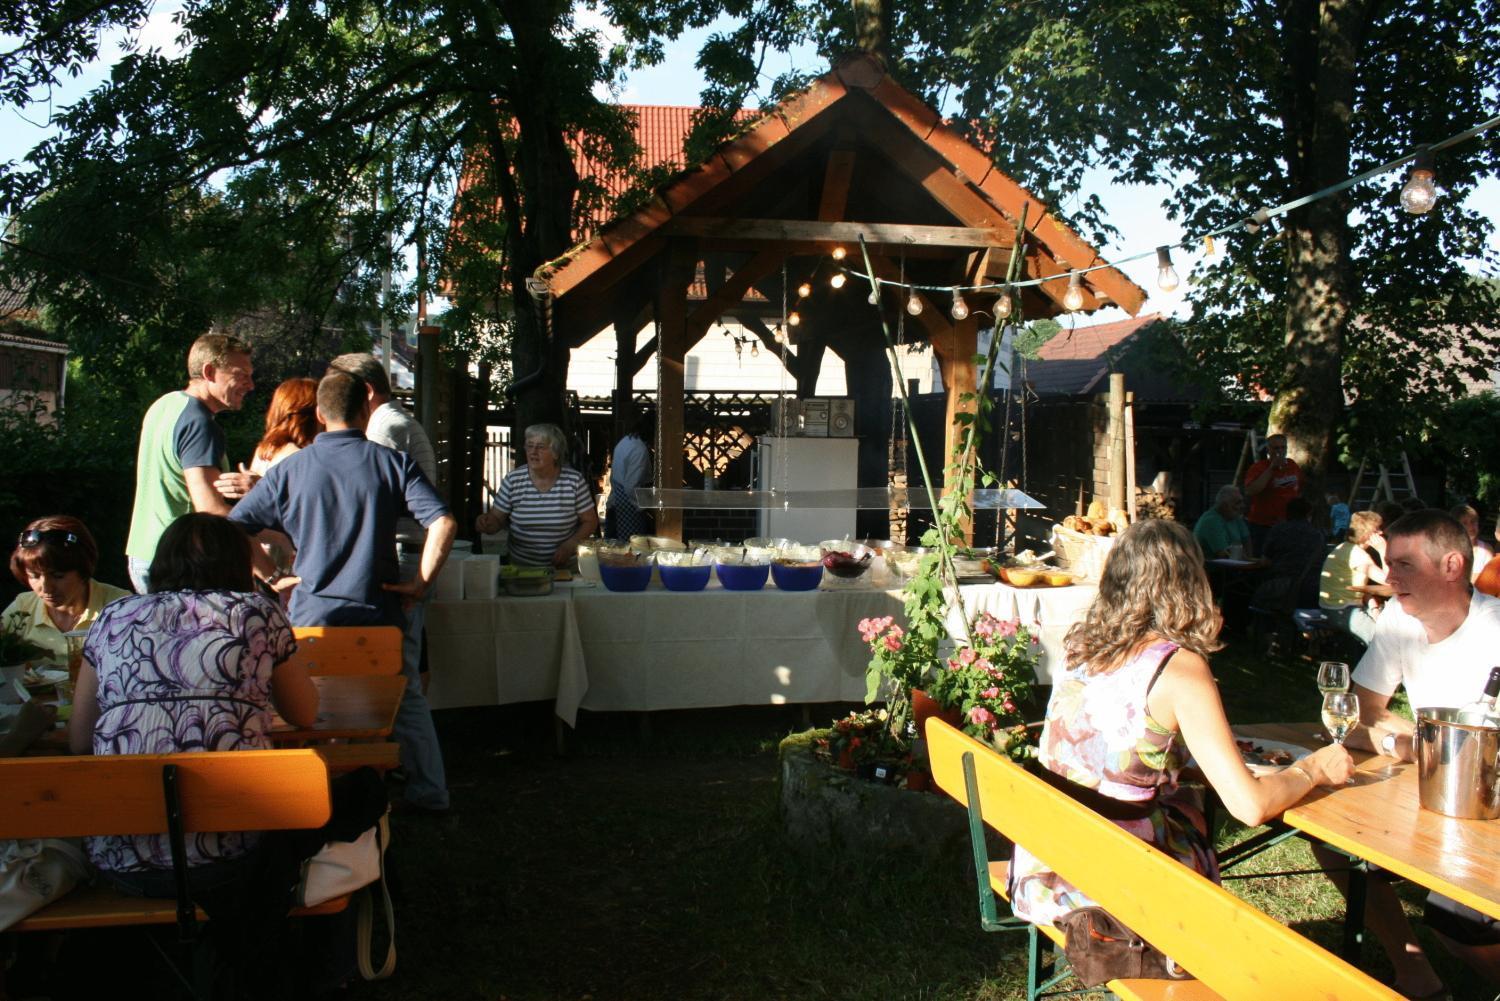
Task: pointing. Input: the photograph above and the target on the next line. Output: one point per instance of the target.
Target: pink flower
(981, 715)
(897, 632)
(967, 655)
(1009, 706)
(1035, 641)
(985, 625)
(867, 630)
(985, 666)
(893, 643)
(1008, 627)
(990, 693)
(953, 665)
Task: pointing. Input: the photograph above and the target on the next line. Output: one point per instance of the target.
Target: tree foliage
(1242, 105)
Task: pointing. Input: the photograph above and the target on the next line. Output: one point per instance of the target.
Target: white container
(481, 577)
(449, 585)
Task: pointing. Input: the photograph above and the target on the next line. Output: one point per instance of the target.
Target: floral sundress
(1100, 735)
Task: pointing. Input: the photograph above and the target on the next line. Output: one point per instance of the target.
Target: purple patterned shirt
(183, 671)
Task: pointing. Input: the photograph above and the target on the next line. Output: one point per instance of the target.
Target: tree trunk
(1322, 46)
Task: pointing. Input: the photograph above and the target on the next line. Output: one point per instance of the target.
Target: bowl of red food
(845, 560)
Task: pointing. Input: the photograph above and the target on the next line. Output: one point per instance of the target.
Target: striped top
(540, 522)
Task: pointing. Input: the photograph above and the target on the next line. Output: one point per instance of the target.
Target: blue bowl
(625, 578)
(791, 578)
(685, 578)
(743, 577)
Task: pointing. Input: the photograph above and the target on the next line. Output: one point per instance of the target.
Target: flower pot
(922, 708)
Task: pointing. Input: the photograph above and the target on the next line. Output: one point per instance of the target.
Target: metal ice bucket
(1458, 766)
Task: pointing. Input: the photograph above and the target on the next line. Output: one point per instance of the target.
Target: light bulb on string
(1003, 304)
(959, 309)
(837, 279)
(874, 297)
(779, 334)
(839, 253)
(914, 304)
(1073, 297)
(1418, 194)
(1166, 275)
(794, 319)
(755, 349)
(804, 290)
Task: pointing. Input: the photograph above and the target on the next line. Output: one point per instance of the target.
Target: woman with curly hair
(1135, 701)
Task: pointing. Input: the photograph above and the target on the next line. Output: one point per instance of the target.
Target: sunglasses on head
(33, 537)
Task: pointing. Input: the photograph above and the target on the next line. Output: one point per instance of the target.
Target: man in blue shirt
(339, 500)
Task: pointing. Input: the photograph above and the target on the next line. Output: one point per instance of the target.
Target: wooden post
(671, 305)
(955, 351)
(1116, 442)
(1130, 456)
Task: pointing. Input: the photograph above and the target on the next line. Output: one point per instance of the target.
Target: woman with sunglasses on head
(55, 557)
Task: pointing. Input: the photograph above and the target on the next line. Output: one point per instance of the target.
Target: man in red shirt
(1269, 485)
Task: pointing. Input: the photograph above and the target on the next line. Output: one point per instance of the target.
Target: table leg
(1354, 916)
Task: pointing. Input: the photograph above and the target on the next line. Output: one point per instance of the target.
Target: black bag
(1100, 948)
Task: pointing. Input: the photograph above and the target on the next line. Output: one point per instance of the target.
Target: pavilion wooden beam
(932, 318)
(731, 293)
(829, 234)
(671, 312)
(836, 179)
(955, 351)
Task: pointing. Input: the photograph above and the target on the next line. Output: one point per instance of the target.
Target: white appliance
(807, 464)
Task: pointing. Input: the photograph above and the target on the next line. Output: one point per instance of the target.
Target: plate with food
(1266, 756)
(43, 677)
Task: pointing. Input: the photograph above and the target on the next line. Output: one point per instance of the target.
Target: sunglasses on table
(33, 537)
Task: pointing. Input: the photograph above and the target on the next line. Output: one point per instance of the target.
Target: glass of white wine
(1340, 714)
(1333, 676)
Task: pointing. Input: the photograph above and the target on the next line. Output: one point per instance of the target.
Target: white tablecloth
(1047, 612)
(589, 648)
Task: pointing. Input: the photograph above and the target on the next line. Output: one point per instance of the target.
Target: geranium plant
(861, 737)
(989, 681)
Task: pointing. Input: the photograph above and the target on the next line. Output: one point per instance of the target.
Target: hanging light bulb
(1073, 297)
(873, 298)
(794, 319)
(1418, 195)
(839, 253)
(914, 304)
(959, 309)
(1166, 275)
(804, 290)
(837, 279)
(755, 349)
(1003, 304)
(779, 334)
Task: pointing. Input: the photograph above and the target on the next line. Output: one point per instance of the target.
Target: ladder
(1379, 481)
(1249, 455)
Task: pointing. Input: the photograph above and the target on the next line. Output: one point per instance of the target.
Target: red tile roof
(1092, 341)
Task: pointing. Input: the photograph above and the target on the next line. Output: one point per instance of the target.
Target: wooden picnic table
(350, 707)
(1379, 818)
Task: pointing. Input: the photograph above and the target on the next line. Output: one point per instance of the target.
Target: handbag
(34, 872)
(1100, 948)
(355, 867)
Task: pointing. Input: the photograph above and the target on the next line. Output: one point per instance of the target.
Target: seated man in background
(1222, 527)
(1295, 548)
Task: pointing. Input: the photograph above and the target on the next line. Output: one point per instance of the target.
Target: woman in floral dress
(1137, 699)
(196, 665)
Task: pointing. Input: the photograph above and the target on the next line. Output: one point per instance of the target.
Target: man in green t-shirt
(1223, 527)
(182, 447)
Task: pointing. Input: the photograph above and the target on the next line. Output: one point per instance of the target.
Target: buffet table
(584, 647)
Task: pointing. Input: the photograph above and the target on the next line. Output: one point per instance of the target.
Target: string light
(914, 305)
(1003, 304)
(1418, 195)
(778, 334)
(838, 279)
(839, 253)
(755, 349)
(873, 298)
(794, 319)
(960, 309)
(1073, 297)
(1166, 275)
(804, 290)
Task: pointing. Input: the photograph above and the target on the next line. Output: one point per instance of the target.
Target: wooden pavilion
(853, 156)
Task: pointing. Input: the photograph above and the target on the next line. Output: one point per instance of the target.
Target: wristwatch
(1388, 745)
(276, 578)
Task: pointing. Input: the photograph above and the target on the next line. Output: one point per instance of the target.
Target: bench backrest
(349, 649)
(1237, 950)
(65, 797)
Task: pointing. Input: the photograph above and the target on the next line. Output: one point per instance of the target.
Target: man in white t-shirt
(1439, 638)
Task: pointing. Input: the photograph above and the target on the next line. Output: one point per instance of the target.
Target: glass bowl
(846, 560)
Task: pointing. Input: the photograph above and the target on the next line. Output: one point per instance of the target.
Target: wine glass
(1333, 676)
(1340, 714)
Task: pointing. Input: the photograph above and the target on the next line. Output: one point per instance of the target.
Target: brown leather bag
(1100, 948)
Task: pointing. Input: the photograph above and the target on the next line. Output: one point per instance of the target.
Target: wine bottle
(1484, 711)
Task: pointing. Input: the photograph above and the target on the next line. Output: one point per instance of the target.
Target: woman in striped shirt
(548, 507)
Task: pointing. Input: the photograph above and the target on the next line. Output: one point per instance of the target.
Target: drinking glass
(1333, 676)
(1340, 714)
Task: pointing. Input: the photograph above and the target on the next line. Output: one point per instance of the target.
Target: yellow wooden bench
(348, 649)
(69, 797)
(1235, 950)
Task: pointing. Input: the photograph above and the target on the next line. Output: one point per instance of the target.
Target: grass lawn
(651, 866)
